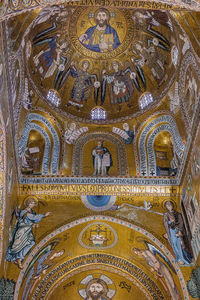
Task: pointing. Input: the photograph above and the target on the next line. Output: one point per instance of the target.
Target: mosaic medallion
(97, 285)
(98, 235)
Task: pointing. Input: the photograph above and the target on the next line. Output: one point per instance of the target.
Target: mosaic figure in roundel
(97, 287)
(102, 37)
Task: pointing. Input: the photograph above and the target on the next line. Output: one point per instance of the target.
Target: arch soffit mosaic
(92, 258)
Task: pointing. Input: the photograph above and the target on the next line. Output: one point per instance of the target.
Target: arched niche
(32, 159)
(45, 130)
(83, 159)
(145, 142)
(163, 150)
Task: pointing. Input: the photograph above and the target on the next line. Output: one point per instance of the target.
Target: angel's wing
(44, 14)
(75, 135)
(120, 132)
(174, 98)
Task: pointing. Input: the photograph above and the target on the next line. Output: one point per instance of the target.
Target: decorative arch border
(53, 119)
(56, 140)
(150, 149)
(188, 60)
(83, 140)
(48, 145)
(102, 268)
(133, 270)
(10, 8)
(3, 184)
(179, 146)
(47, 149)
(108, 219)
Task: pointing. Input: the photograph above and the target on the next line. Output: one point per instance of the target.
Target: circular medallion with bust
(97, 289)
(102, 37)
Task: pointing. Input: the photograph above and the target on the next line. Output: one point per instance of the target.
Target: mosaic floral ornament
(98, 235)
(97, 202)
(97, 285)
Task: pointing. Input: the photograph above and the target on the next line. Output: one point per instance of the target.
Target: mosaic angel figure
(154, 59)
(72, 133)
(23, 239)
(50, 59)
(126, 134)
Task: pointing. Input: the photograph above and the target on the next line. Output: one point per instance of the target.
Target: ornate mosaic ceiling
(127, 70)
(103, 104)
(73, 68)
(15, 7)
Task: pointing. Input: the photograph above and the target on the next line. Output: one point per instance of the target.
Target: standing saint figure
(121, 86)
(102, 37)
(102, 159)
(176, 234)
(23, 239)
